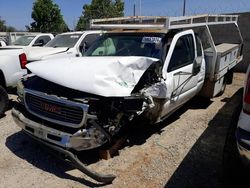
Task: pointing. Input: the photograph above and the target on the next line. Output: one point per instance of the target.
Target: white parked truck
(13, 61)
(12, 68)
(70, 44)
(30, 40)
(15, 58)
(144, 66)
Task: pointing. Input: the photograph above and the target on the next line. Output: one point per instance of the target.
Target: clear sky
(17, 13)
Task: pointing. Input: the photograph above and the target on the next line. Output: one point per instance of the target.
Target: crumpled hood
(37, 53)
(104, 76)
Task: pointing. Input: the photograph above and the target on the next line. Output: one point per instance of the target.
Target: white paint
(2, 43)
(181, 84)
(37, 53)
(104, 76)
(10, 66)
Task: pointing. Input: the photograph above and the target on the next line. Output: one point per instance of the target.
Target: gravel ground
(186, 150)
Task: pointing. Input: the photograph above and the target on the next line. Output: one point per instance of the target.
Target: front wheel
(4, 100)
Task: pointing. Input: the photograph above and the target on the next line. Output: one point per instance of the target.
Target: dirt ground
(186, 150)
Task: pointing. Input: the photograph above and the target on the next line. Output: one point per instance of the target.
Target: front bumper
(74, 161)
(44, 135)
(77, 141)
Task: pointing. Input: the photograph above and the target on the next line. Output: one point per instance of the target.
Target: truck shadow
(40, 156)
(140, 130)
(12, 102)
(10, 106)
(208, 163)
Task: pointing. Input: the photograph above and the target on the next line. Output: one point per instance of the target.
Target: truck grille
(55, 110)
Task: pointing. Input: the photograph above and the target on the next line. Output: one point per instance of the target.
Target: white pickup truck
(12, 68)
(13, 61)
(146, 66)
(31, 40)
(70, 44)
(14, 58)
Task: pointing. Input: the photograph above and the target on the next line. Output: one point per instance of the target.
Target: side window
(88, 41)
(198, 45)
(183, 53)
(42, 40)
(106, 48)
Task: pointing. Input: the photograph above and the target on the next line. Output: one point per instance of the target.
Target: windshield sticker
(30, 38)
(154, 40)
(74, 36)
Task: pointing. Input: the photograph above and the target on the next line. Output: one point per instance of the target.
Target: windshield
(23, 41)
(68, 40)
(127, 44)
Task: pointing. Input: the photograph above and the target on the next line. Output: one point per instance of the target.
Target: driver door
(180, 80)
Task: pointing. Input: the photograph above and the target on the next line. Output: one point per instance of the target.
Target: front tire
(4, 100)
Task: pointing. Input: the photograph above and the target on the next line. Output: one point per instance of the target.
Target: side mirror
(84, 48)
(197, 65)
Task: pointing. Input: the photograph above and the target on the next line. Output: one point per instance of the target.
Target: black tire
(4, 100)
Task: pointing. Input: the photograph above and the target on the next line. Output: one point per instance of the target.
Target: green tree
(47, 17)
(100, 9)
(10, 29)
(5, 28)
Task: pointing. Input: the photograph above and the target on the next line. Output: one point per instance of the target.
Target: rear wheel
(223, 88)
(4, 100)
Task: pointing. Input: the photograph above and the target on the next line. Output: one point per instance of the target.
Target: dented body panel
(104, 76)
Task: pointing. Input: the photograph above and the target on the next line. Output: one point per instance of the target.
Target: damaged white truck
(144, 66)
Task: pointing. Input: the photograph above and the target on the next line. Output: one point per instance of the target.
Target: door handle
(182, 73)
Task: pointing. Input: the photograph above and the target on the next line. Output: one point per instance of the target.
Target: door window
(42, 40)
(183, 53)
(87, 42)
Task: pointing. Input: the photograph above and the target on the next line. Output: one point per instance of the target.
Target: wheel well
(229, 77)
(2, 79)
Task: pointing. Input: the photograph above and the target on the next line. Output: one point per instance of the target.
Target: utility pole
(184, 7)
(134, 9)
(140, 7)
